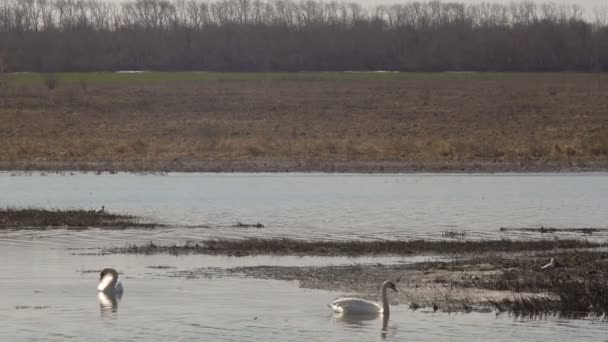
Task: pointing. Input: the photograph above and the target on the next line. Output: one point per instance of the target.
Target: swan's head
(108, 271)
(389, 285)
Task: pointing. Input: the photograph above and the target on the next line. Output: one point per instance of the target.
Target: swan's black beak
(394, 289)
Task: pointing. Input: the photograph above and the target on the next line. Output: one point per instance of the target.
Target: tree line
(297, 35)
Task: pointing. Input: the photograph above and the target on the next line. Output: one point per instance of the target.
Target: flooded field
(323, 206)
(49, 294)
(48, 277)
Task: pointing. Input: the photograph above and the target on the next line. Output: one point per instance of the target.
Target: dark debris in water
(28, 307)
(240, 224)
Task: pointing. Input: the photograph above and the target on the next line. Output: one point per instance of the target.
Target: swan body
(355, 306)
(109, 282)
(550, 265)
(358, 306)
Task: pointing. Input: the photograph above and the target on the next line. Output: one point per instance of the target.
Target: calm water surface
(47, 281)
(322, 206)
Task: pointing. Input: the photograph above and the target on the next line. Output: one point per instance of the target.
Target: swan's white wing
(105, 282)
(355, 306)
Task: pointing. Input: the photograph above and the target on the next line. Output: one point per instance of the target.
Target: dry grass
(498, 122)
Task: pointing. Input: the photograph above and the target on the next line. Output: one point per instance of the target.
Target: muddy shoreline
(510, 283)
(281, 166)
(487, 276)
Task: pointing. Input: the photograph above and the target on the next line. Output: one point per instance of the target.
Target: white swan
(109, 282)
(549, 266)
(357, 306)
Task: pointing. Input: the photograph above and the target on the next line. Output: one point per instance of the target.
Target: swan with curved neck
(358, 306)
(109, 282)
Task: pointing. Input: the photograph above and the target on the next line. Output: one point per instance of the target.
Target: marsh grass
(41, 218)
(255, 246)
(577, 287)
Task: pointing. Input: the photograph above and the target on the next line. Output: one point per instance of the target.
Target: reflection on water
(108, 302)
(364, 321)
(357, 320)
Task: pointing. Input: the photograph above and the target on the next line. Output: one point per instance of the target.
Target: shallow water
(48, 278)
(324, 206)
(50, 294)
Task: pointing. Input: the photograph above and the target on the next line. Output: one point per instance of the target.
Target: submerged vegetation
(255, 246)
(74, 218)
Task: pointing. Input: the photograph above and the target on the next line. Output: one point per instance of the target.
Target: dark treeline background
(289, 35)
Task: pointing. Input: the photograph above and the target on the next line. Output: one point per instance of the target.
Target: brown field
(305, 122)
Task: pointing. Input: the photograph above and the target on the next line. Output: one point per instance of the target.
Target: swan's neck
(385, 310)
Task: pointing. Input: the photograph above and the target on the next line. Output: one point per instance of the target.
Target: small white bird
(357, 306)
(109, 282)
(550, 265)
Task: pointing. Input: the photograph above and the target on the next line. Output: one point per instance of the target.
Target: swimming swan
(109, 282)
(357, 306)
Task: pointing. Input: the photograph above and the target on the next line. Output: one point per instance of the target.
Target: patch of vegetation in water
(255, 246)
(20, 218)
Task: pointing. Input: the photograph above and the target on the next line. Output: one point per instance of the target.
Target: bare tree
(300, 35)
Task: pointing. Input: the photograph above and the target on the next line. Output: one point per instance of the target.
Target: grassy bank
(349, 248)
(335, 122)
(59, 218)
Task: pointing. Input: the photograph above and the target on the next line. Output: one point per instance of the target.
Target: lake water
(322, 206)
(48, 285)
